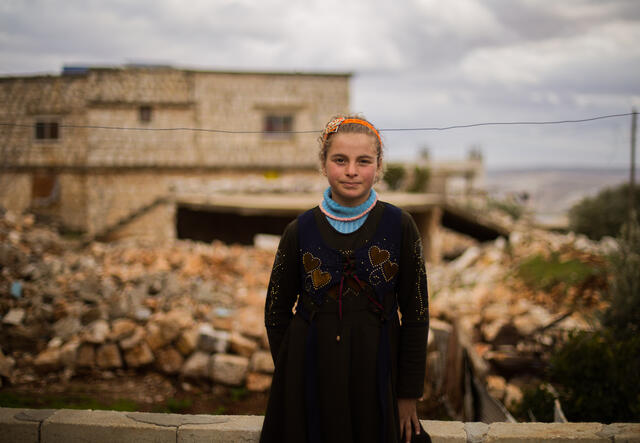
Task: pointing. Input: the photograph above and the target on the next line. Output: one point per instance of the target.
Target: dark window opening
(145, 114)
(47, 130)
(227, 227)
(278, 125)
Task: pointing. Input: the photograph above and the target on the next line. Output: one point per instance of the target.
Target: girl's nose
(351, 169)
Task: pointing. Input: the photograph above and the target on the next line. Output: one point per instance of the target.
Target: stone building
(104, 150)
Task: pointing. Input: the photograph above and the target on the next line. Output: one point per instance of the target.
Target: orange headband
(335, 124)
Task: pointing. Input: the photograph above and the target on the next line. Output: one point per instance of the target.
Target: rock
(535, 318)
(66, 327)
(261, 361)
(257, 382)
(68, 353)
(250, 322)
(179, 317)
(92, 314)
(155, 337)
(134, 339)
(14, 317)
(119, 305)
(513, 395)
(188, 341)
(228, 369)
(142, 314)
(168, 360)
(122, 328)
(210, 340)
(108, 356)
(267, 242)
(466, 259)
(139, 355)
(86, 356)
(196, 366)
(223, 320)
(516, 238)
(48, 360)
(55, 342)
(97, 332)
(496, 386)
(495, 311)
(242, 345)
(6, 365)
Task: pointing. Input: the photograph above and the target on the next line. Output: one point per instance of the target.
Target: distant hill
(552, 191)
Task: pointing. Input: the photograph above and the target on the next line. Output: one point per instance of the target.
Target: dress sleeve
(413, 301)
(283, 290)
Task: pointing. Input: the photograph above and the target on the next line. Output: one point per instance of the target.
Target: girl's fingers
(416, 424)
(407, 431)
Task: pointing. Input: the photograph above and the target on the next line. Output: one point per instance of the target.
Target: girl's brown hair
(336, 126)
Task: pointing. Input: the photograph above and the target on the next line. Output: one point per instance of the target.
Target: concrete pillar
(428, 224)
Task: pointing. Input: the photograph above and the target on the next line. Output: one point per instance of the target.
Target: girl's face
(351, 167)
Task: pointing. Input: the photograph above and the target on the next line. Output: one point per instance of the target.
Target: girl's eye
(339, 160)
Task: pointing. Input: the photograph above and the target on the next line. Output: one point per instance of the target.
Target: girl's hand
(408, 418)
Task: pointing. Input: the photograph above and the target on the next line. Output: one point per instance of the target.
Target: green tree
(420, 179)
(622, 316)
(393, 176)
(603, 214)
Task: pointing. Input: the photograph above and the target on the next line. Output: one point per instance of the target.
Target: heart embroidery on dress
(378, 256)
(310, 262)
(389, 269)
(320, 278)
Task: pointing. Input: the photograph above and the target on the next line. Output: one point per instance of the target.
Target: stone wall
(44, 426)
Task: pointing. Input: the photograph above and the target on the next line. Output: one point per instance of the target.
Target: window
(278, 125)
(47, 130)
(144, 114)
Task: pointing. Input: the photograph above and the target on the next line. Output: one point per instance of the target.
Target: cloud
(417, 62)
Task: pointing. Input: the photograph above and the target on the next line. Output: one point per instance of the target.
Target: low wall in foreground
(70, 426)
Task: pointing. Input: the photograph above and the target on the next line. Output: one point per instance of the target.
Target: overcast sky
(416, 63)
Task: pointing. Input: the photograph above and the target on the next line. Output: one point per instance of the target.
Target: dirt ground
(151, 392)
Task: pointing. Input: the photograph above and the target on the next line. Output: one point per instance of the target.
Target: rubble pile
(191, 310)
(194, 311)
(508, 328)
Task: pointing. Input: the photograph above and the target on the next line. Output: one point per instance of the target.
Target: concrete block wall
(240, 102)
(63, 425)
(105, 98)
(27, 99)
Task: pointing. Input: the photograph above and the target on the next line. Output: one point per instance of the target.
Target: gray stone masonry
(36, 426)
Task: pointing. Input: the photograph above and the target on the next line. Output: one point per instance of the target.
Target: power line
(473, 125)
(226, 131)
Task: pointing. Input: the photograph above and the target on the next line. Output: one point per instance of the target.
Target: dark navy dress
(344, 358)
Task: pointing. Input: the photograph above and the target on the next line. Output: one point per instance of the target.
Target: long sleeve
(283, 290)
(413, 301)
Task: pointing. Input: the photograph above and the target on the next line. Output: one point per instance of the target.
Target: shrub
(420, 179)
(597, 377)
(537, 401)
(603, 214)
(622, 316)
(393, 176)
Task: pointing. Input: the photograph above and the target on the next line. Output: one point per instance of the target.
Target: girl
(346, 368)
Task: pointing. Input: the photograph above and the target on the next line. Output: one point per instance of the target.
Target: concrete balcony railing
(69, 426)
